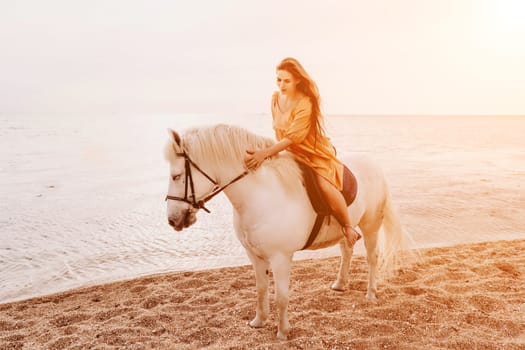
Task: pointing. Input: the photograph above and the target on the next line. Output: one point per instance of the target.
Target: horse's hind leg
(261, 283)
(371, 233)
(344, 266)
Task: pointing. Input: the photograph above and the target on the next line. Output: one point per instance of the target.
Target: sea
(82, 195)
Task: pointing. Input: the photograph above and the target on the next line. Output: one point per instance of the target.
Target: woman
(297, 123)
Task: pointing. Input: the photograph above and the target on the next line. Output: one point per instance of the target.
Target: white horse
(272, 213)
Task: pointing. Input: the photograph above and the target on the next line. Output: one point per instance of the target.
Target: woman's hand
(254, 158)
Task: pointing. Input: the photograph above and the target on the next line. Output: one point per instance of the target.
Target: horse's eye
(176, 177)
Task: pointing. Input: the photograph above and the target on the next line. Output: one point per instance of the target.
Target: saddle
(319, 202)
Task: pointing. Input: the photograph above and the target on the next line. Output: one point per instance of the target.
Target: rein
(199, 204)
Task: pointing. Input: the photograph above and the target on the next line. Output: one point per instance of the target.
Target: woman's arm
(254, 158)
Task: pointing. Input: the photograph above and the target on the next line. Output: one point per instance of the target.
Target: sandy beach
(462, 297)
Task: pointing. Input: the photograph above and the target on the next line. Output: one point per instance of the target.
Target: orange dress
(318, 153)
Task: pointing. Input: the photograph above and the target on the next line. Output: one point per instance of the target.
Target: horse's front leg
(261, 284)
(281, 266)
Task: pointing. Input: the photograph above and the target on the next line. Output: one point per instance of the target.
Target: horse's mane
(222, 144)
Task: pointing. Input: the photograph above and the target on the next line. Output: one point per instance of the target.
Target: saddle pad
(318, 201)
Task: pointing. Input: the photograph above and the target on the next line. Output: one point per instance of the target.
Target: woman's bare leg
(337, 203)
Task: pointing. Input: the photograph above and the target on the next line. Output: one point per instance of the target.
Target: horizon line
(338, 114)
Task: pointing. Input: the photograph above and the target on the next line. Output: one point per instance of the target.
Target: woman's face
(286, 82)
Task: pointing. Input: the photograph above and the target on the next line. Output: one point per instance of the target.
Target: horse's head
(188, 184)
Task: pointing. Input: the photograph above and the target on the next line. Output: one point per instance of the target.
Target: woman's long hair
(306, 86)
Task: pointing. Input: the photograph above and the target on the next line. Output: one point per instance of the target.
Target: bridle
(188, 182)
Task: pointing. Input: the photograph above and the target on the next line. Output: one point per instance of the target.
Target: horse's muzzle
(180, 222)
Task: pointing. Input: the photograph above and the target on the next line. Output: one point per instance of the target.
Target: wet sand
(462, 297)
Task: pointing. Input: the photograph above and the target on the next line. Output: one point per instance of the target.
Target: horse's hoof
(256, 323)
(337, 286)
(371, 296)
(282, 336)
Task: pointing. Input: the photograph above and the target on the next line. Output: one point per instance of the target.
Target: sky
(171, 56)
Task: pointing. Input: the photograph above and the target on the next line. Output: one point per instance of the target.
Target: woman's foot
(351, 235)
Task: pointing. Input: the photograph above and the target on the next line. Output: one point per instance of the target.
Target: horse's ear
(174, 136)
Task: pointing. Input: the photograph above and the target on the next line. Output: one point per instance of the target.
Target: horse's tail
(395, 240)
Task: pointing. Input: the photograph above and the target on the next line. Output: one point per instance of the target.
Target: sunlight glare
(501, 24)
